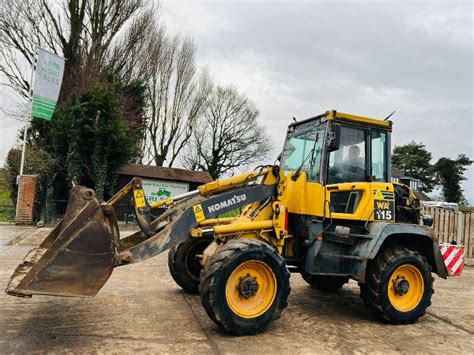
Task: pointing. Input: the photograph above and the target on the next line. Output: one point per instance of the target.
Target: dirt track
(142, 309)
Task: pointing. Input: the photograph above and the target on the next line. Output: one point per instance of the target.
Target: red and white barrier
(453, 256)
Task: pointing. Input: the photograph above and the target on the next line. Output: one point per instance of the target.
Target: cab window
(303, 149)
(348, 163)
(379, 155)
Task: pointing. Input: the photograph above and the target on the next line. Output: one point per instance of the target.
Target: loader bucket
(77, 257)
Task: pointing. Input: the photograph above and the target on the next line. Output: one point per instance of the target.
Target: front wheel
(398, 285)
(245, 286)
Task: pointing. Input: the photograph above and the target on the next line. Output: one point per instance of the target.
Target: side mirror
(334, 138)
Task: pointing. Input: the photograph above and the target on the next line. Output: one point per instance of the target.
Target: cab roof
(349, 118)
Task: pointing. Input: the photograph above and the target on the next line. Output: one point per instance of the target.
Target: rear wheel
(245, 286)
(325, 283)
(398, 285)
(184, 263)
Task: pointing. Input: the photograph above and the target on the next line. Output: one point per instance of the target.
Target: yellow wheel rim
(251, 289)
(405, 288)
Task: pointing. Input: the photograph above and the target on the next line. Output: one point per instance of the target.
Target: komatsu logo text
(227, 203)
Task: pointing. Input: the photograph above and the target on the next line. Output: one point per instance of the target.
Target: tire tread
(217, 264)
(370, 291)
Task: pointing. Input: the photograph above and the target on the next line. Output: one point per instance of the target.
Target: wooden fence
(451, 226)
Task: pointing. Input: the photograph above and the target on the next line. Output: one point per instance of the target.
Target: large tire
(398, 285)
(245, 286)
(185, 266)
(325, 283)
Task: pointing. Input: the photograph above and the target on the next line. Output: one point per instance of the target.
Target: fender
(420, 238)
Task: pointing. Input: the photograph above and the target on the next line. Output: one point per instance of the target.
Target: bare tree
(126, 57)
(177, 94)
(85, 32)
(227, 135)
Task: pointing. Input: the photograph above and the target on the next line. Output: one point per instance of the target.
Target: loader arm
(190, 213)
(78, 256)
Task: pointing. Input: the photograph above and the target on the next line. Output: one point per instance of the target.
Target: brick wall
(26, 199)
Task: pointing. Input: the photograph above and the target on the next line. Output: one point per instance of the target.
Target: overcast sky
(369, 58)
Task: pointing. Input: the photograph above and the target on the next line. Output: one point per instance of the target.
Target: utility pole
(30, 111)
(45, 83)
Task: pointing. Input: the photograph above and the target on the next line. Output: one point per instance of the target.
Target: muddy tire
(184, 264)
(398, 285)
(325, 283)
(245, 286)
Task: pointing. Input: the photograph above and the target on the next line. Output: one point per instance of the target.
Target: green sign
(47, 84)
(156, 190)
(161, 193)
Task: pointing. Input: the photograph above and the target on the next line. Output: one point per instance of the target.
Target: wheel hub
(406, 288)
(248, 286)
(251, 289)
(401, 286)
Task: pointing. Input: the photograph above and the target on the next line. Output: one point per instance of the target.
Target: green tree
(413, 160)
(450, 174)
(92, 138)
(38, 162)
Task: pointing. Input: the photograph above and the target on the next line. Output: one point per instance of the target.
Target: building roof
(398, 174)
(163, 173)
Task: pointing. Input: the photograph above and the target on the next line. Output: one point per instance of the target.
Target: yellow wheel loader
(327, 210)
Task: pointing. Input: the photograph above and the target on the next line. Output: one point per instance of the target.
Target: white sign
(156, 190)
(47, 84)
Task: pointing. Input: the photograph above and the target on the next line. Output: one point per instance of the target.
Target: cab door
(357, 174)
(347, 186)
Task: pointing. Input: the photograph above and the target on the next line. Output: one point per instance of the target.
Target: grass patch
(5, 197)
(7, 208)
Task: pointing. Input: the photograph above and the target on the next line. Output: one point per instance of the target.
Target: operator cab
(337, 148)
